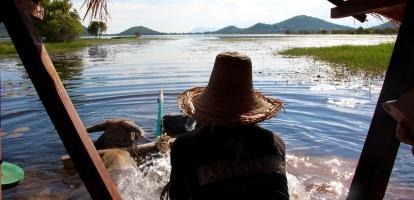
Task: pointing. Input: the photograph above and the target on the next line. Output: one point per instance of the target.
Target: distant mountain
(385, 26)
(203, 29)
(85, 31)
(3, 31)
(294, 24)
(229, 29)
(306, 23)
(143, 30)
(262, 28)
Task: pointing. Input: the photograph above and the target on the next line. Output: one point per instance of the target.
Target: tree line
(61, 23)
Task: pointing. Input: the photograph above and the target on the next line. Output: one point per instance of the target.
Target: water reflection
(68, 65)
(97, 53)
(14, 80)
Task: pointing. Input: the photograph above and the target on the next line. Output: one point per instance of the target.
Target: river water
(324, 124)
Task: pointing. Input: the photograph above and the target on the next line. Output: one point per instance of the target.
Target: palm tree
(97, 9)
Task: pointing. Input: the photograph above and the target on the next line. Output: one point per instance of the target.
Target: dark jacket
(245, 162)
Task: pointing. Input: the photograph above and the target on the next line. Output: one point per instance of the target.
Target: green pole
(160, 113)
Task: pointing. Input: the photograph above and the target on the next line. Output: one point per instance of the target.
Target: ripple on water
(325, 117)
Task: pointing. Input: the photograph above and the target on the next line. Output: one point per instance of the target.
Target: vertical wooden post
(56, 101)
(381, 146)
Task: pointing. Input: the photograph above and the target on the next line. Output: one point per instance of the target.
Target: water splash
(346, 102)
(323, 87)
(323, 177)
(297, 190)
(147, 180)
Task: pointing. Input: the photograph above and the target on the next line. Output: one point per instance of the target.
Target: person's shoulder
(277, 140)
(261, 130)
(181, 140)
(265, 132)
(187, 139)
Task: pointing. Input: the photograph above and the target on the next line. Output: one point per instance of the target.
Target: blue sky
(185, 15)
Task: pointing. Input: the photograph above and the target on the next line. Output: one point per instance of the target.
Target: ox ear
(133, 136)
(139, 132)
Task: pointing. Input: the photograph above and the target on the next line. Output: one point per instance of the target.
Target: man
(228, 156)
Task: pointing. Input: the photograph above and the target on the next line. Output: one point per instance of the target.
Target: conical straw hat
(229, 98)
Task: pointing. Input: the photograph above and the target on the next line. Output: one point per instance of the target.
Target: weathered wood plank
(362, 18)
(381, 146)
(363, 7)
(56, 101)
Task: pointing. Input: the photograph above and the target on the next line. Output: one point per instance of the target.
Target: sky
(185, 15)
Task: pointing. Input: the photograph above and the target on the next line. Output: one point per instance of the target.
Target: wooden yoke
(361, 17)
(360, 7)
(56, 101)
(381, 146)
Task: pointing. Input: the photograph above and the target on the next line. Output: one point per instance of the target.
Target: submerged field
(7, 48)
(323, 125)
(369, 59)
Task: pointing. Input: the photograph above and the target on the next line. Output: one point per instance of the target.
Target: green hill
(294, 24)
(306, 23)
(143, 30)
(229, 29)
(262, 28)
(385, 25)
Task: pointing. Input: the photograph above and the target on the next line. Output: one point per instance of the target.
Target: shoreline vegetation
(7, 48)
(371, 60)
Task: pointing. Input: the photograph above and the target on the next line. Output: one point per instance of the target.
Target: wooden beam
(352, 8)
(362, 18)
(381, 146)
(56, 101)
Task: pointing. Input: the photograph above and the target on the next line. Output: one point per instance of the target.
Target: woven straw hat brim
(188, 102)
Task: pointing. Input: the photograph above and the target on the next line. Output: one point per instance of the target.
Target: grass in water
(7, 48)
(372, 60)
(237, 39)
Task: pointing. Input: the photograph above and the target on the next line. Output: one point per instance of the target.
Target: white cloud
(184, 15)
